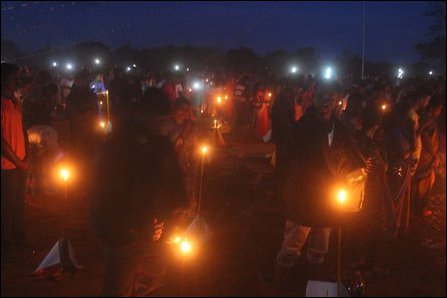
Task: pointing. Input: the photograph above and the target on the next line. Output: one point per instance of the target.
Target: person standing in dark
(138, 187)
(424, 179)
(13, 160)
(119, 89)
(83, 114)
(320, 156)
(283, 117)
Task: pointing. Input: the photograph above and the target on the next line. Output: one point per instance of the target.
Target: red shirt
(12, 131)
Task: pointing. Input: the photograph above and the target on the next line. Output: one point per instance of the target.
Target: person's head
(82, 79)
(10, 78)
(182, 109)
(50, 93)
(99, 77)
(327, 95)
(435, 107)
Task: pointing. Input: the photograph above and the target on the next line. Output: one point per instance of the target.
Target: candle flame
(64, 173)
(341, 196)
(185, 247)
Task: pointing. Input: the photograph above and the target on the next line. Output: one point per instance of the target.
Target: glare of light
(340, 103)
(293, 69)
(226, 97)
(187, 69)
(177, 67)
(196, 85)
(65, 174)
(97, 61)
(69, 66)
(190, 90)
(100, 102)
(134, 65)
(204, 149)
(102, 124)
(54, 64)
(206, 80)
(128, 69)
(341, 196)
(430, 72)
(400, 73)
(384, 107)
(185, 247)
(270, 94)
(219, 100)
(328, 73)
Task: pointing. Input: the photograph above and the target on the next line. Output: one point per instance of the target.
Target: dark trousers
(13, 206)
(134, 270)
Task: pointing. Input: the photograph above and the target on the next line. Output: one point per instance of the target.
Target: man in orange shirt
(14, 165)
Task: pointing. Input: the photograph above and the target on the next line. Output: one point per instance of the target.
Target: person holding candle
(139, 188)
(320, 154)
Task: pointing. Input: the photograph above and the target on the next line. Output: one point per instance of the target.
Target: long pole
(202, 169)
(339, 263)
(363, 42)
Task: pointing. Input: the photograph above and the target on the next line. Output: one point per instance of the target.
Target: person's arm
(10, 155)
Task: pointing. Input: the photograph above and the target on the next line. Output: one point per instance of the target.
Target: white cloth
(295, 236)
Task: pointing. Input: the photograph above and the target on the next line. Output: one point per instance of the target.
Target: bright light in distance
(197, 85)
(177, 67)
(384, 107)
(400, 73)
(187, 69)
(134, 65)
(270, 94)
(100, 102)
(219, 100)
(328, 73)
(430, 72)
(54, 64)
(293, 69)
(64, 173)
(190, 90)
(102, 124)
(69, 66)
(341, 196)
(226, 97)
(128, 69)
(97, 61)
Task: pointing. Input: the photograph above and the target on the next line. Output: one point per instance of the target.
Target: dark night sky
(392, 28)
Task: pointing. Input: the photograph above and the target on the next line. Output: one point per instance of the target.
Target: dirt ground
(241, 209)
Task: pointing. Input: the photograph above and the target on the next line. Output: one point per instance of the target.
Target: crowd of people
(145, 168)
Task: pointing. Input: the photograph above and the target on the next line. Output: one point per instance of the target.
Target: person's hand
(158, 230)
(369, 165)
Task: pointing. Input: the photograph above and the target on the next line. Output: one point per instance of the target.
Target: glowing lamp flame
(65, 174)
(341, 196)
(226, 97)
(219, 100)
(204, 150)
(100, 102)
(270, 94)
(384, 107)
(185, 247)
(102, 124)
